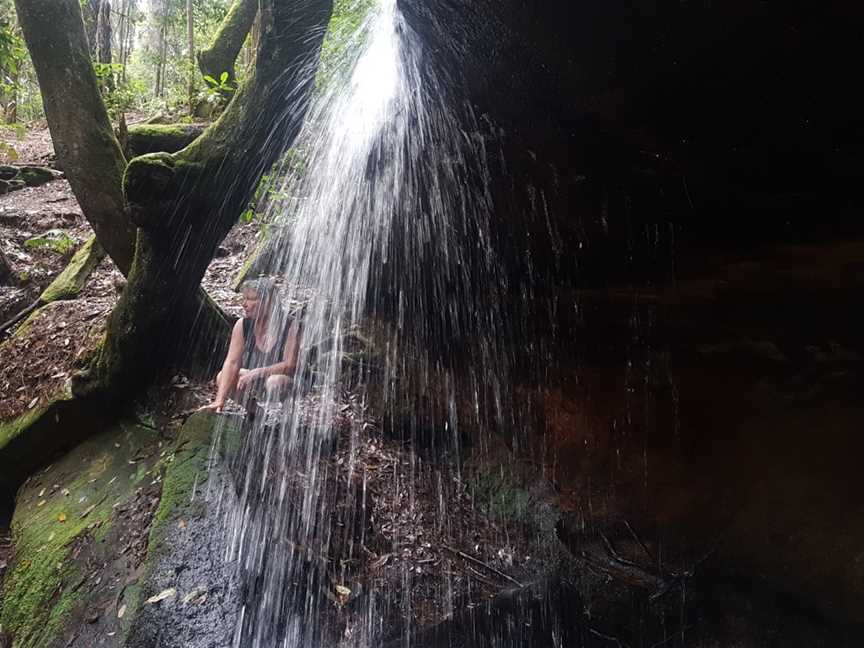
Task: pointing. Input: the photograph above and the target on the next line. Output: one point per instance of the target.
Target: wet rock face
(718, 423)
(189, 596)
(719, 122)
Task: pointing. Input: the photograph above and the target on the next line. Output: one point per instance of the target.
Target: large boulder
(119, 543)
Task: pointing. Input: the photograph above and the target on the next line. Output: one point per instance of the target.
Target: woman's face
(251, 303)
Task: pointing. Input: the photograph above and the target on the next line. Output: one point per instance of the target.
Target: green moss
(186, 472)
(71, 281)
(220, 56)
(45, 583)
(516, 499)
(26, 441)
(184, 475)
(33, 176)
(12, 429)
(24, 326)
(154, 138)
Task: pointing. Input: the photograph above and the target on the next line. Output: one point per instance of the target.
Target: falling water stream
(384, 229)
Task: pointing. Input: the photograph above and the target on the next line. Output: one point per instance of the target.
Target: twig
(476, 561)
(616, 556)
(480, 576)
(639, 541)
(12, 322)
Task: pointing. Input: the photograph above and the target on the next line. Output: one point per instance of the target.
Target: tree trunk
(103, 41)
(158, 138)
(121, 38)
(222, 54)
(128, 35)
(90, 13)
(190, 32)
(204, 188)
(160, 57)
(83, 138)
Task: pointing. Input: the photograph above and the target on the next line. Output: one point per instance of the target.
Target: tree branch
(222, 53)
(80, 129)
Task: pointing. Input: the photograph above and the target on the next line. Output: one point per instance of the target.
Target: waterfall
(384, 227)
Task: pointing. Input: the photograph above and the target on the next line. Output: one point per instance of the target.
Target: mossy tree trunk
(222, 53)
(185, 203)
(83, 138)
(155, 138)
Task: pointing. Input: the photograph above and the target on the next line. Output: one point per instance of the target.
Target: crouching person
(262, 354)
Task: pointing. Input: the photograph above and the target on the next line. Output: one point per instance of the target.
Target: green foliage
(221, 84)
(346, 32)
(217, 92)
(121, 95)
(166, 19)
(272, 186)
(55, 240)
(12, 55)
(8, 153)
(19, 131)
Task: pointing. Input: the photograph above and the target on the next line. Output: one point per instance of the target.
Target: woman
(262, 352)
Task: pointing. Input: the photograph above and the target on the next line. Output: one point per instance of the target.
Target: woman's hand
(215, 406)
(247, 378)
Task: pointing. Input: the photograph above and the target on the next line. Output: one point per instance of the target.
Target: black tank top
(253, 357)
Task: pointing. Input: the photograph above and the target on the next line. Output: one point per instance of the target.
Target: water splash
(385, 230)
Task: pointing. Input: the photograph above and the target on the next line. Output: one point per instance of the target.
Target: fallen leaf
(181, 524)
(161, 596)
(40, 503)
(61, 517)
(121, 611)
(33, 403)
(193, 595)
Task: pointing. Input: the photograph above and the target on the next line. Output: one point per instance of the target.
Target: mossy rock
(186, 555)
(8, 172)
(63, 516)
(34, 438)
(8, 186)
(71, 281)
(34, 176)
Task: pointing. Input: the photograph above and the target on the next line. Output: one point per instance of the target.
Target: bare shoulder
(238, 328)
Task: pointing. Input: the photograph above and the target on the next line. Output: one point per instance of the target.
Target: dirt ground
(30, 146)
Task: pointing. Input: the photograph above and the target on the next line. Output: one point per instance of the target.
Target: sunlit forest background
(144, 58)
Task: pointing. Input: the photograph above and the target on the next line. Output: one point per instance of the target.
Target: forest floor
(469, 558)
(40, 230)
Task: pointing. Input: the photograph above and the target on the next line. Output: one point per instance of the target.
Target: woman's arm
(230, 369)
